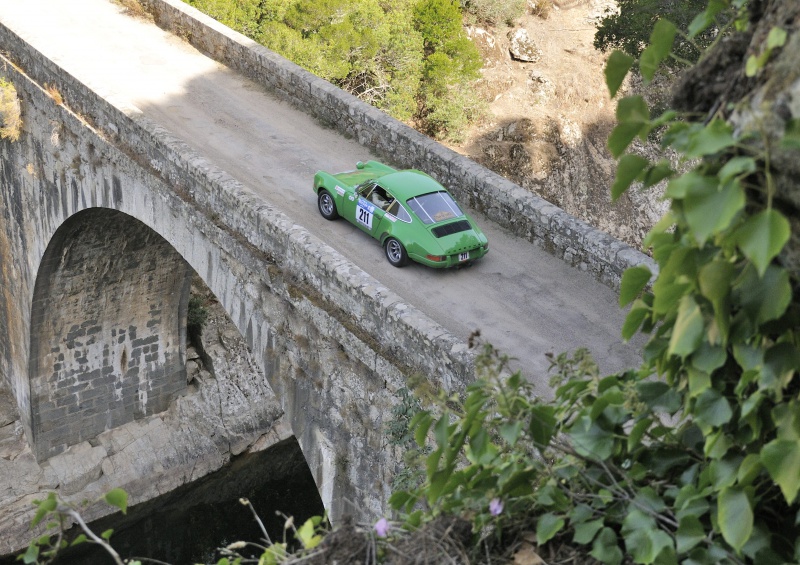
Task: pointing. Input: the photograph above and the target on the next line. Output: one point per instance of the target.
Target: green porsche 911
(412, 215)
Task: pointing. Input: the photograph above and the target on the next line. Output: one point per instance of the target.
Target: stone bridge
(105, 215)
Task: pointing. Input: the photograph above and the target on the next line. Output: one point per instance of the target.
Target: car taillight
(437, 258)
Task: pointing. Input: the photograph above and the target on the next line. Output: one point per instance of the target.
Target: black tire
(326, 205)
(395, 252)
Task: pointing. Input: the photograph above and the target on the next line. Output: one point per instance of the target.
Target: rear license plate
(463, 256)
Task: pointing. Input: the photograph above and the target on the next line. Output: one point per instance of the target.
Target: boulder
(522, 47)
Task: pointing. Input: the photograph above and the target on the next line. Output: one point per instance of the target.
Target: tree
(629, 28)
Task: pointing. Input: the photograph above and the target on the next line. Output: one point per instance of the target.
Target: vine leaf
(616, 70)
(688, 330)
(119, 498)
(710, 210)
(661, 40)
(782, 459)
(735, 516)
(762, 237)
(548, 526)
(633, 116)
(629, 168)
(633, 281)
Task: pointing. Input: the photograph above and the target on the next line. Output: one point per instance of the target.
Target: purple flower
(495, 506)
(382, 527)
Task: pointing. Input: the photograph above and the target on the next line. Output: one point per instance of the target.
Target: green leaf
(45, 506)
(590, 440)
(78, 540)
(547, 526)
(705, 18)
(634, 319)
(715, 280)
(423, 424)
(658, 394)
(713, 138)
(606, 548)
(106, 535)
(782, 460)
(637, 431)
(616, 70)
(585, 531)
(543, 424)
(690, 533)
(735, 167)
(712, 408)
(306, 535)
(687, 333)
(735, 516)
(633, 116)
(633, 282)
(762, 237)
(31, 555)
(441, 431)
(118, 498)
(680, 187)
(628, 169)
(510, 431)
(656, 174)
(710, 210)
(776, 38)
(766, 298)
(661, 40)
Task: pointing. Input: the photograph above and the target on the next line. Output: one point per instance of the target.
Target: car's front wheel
(326, 205)
(395, 252)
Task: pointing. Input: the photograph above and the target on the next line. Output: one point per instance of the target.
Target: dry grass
(54, 94)
(542, 8)
(135, 9)
(10, 111)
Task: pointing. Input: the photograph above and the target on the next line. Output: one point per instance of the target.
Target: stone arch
(108, 329)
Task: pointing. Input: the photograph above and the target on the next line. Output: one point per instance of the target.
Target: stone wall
(511, 206)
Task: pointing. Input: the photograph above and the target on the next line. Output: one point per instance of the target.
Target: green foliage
(379, 51)
(197, 316)
(694, 457)
(60, 515)
(628, 30)
(501, 12)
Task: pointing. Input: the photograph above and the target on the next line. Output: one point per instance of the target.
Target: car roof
(408, 184)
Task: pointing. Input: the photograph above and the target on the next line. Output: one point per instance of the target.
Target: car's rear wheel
(326, 205)
(395, 252)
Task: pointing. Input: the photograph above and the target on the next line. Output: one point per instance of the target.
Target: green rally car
(412, 215)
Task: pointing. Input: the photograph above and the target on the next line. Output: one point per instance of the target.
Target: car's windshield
(435, 207)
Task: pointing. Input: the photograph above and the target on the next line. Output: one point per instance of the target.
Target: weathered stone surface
(198, 434)
(523, 47)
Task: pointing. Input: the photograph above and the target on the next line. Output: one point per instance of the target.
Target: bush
(495, 12)
(694, 456)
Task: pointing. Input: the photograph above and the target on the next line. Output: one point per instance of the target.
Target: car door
(367, 208)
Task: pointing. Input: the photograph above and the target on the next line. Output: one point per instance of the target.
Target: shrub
(496, 12)
(693, 457)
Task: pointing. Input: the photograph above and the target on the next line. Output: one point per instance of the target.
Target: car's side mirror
(360, 165)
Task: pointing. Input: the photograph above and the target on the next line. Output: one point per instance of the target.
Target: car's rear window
(435, 207)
